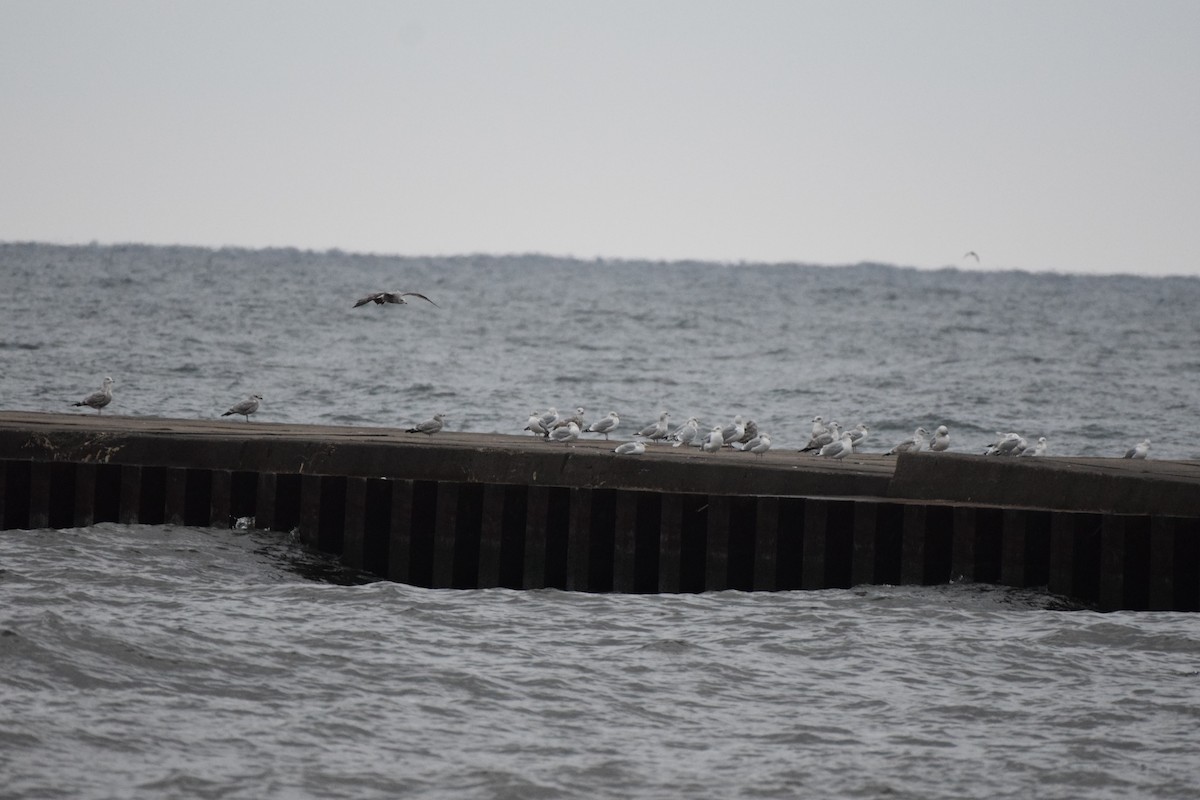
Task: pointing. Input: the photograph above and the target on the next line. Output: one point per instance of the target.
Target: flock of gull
(827, 440)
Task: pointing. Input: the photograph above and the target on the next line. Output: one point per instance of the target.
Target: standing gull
(535, 425)
(246, 407)
(910, 445)
(98, 400)
(839, 449)
(605, 425)
(430, 426)
(656, 430)
(380, 298)
(714, 441)
(687, 432)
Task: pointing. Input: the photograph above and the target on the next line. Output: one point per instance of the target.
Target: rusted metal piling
(479, 511)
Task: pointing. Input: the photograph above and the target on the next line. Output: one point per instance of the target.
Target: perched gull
(733, 431)
(839, 449)
(1038, 449)
(759, 445)
(714, 441)
(941, 439)
(832, 433)
(859, 435)
(605, 425)
(818, 426)
(246, 407)
(379, 298)
(751, 432)
(910, 445)
(1139, 450)
(567, 433)
(657, 430)
(429, 426)
(577, 418)
(1004, 445)
(535, 425)
(98, 400)
(686, 433)
(549, 417)
(630, 449)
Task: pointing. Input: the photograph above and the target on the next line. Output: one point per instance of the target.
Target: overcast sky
(1044, 135)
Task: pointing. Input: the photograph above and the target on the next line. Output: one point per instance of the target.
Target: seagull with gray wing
(380, 298)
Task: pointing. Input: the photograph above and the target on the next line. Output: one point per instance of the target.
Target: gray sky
(1045, 135)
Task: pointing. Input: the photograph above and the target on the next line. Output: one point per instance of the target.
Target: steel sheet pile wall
(465, 534)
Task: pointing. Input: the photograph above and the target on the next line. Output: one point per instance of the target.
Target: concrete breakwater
(477, 510)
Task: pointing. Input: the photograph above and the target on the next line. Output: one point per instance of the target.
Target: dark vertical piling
(716, 563)
(877, 542)
(220, 498)
(85, 495)
(131, 493)
(743, 535)
(174, 495)
(308, 525)
(669, 542)
(766, 543)
(400, 532)
(536, 508)
(625, 507)
(444, 536)
(39, 494)
(491, 536)
(264, 508)
(354, 522)
(579, 539)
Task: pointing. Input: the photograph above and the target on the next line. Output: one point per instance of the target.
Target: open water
(160, 661)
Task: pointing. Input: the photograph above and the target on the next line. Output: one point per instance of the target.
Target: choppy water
(1095, 364)
(161, 661)
(158, 662)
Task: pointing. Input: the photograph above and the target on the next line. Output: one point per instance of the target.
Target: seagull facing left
(246, 407)
(379, 298)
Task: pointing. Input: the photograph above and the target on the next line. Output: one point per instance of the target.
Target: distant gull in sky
(1139, 450)
(630, 449)
(972, 254)
(379, 298)
(98, 400)
(429, 426)
(246, 407)
(605, 425)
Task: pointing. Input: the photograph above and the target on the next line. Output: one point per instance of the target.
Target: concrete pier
(471, 510)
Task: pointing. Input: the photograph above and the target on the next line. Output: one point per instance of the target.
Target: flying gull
(98, 400)
(972, 254)
(246, 407)
(379, 298)
(430, 426)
